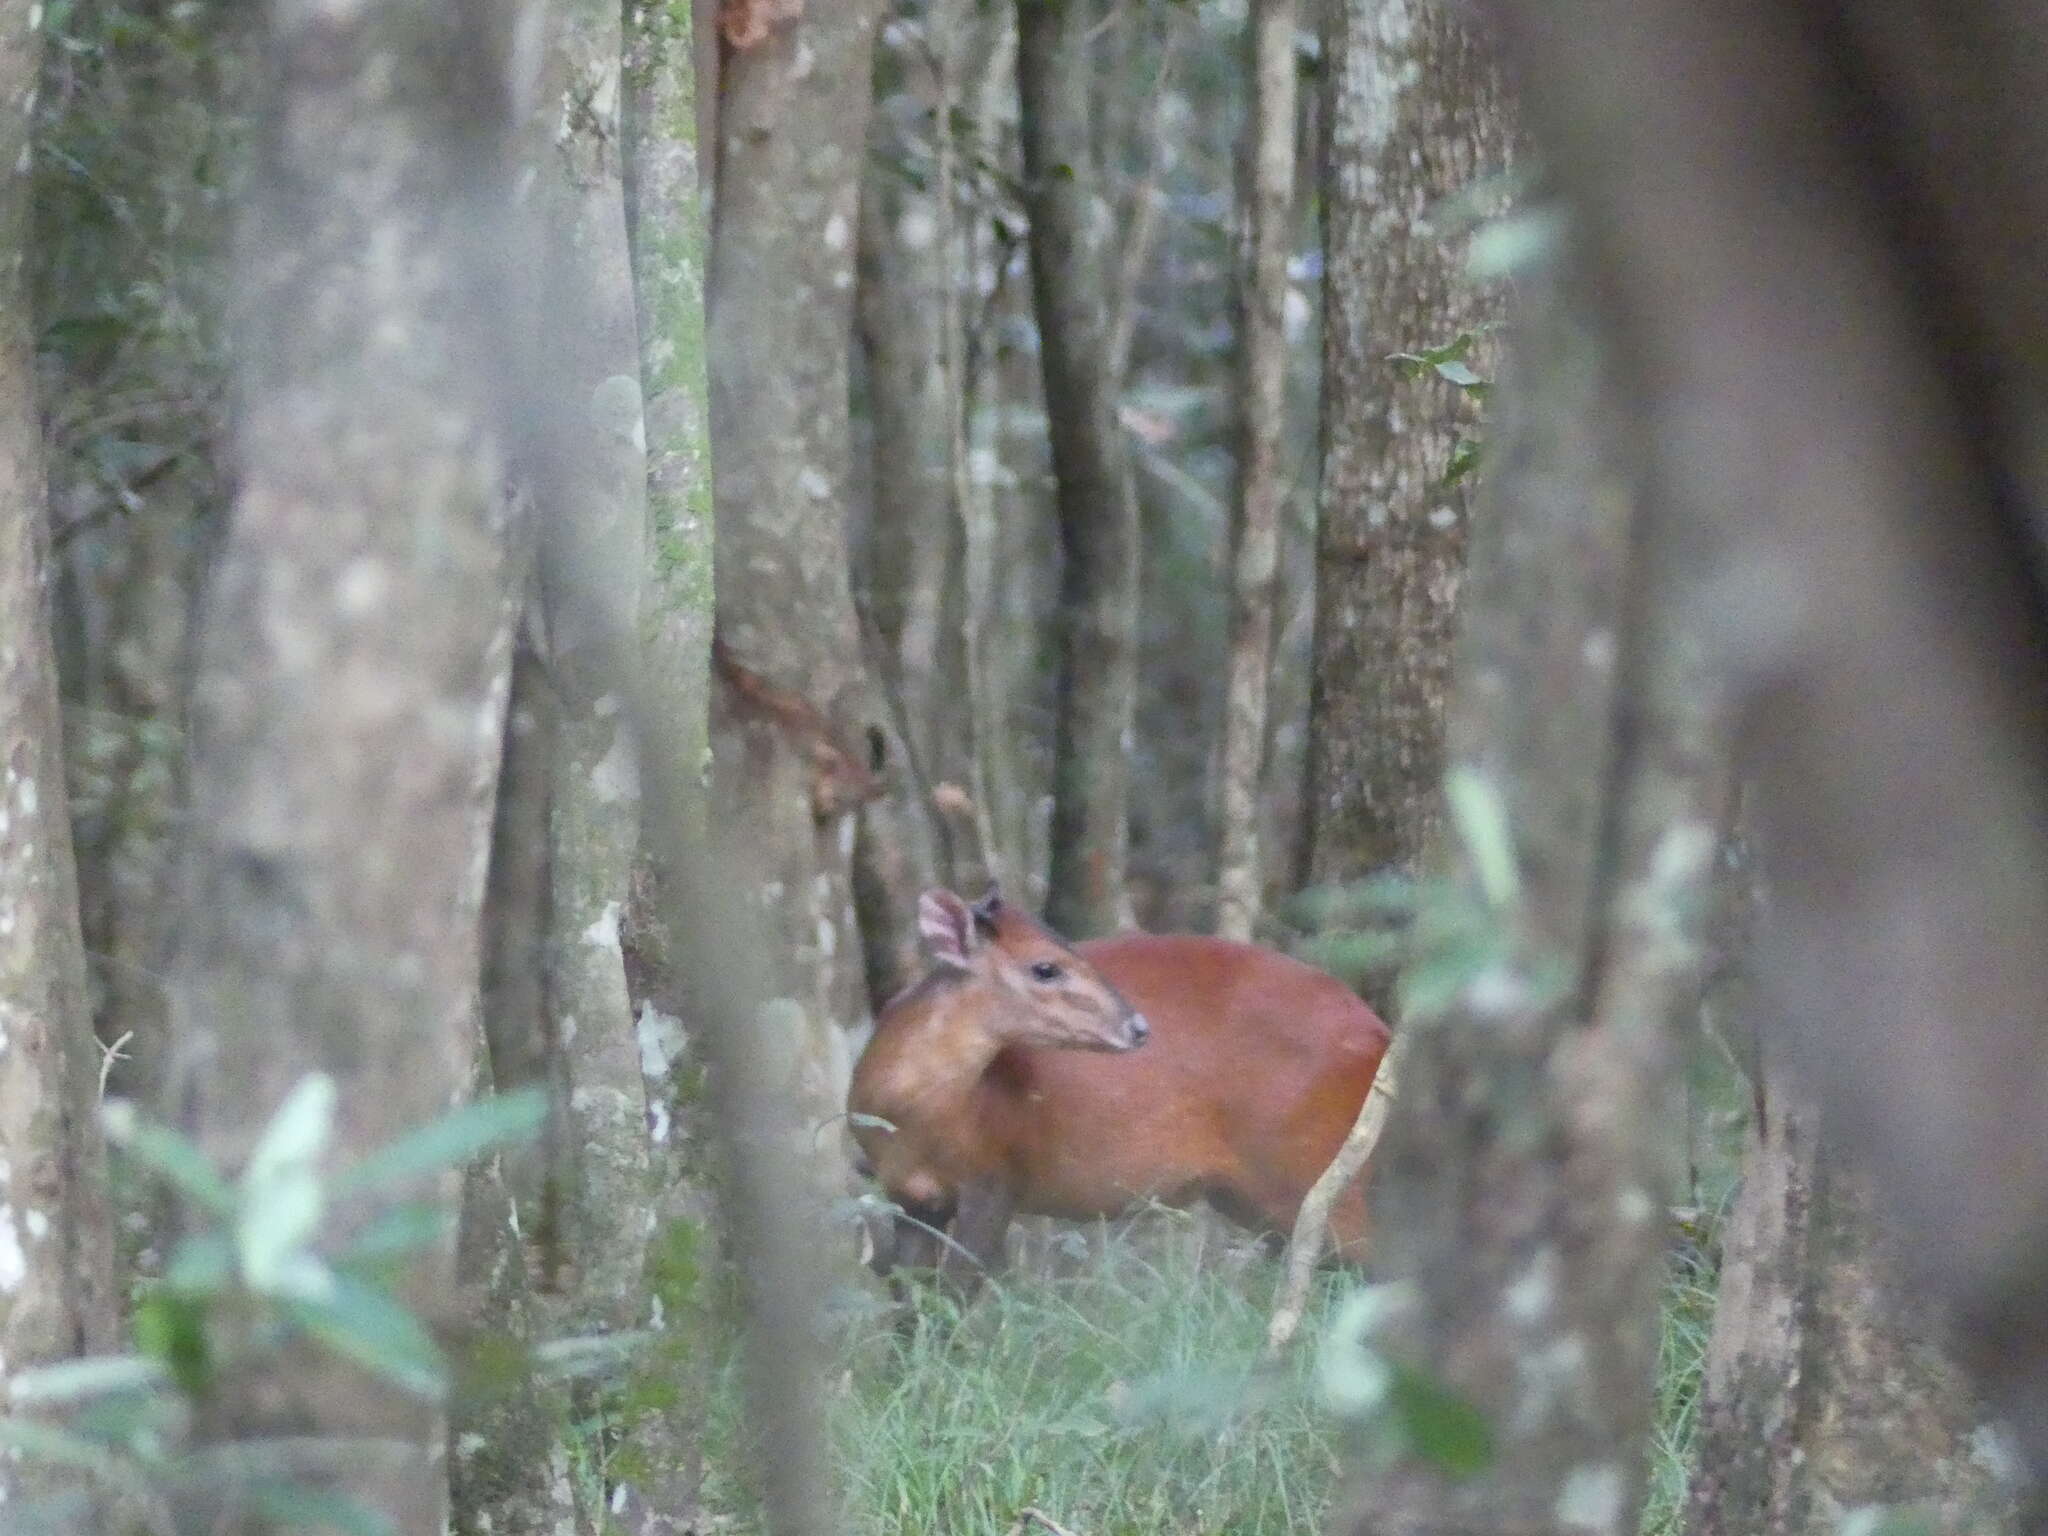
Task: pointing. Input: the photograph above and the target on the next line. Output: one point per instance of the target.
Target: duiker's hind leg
(980, 1226)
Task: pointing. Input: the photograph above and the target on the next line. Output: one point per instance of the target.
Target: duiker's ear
(947, 926)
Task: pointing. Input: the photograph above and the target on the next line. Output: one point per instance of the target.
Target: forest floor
(1113, 1386)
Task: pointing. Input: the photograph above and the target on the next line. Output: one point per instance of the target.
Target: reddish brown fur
(1255, 1069)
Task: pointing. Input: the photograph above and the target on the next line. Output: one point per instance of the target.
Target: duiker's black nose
(1140, 1030)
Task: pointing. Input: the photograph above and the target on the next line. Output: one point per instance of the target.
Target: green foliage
(260, 1271)
(1439, 1425)
(1123, 1397)
(1451, 362)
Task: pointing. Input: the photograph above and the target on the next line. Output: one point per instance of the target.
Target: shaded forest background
(537, 530)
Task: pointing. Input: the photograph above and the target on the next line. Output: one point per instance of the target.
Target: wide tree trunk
(1829, 339)
(1415, 116)
(1827, 1390)
(798, 727)
(1098, 509)
(1521, 1181)
(354, 654)
(1261, 482)
(57, 1296)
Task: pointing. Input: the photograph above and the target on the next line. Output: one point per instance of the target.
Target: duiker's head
(1045, 993)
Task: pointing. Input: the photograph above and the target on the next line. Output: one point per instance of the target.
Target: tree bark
(1829, 340)
(659, 1471)
(1415, 115)
(1521, 1183)
(595, 493)
(1827, 1391)
(796, 718)
(1261, 481)
(905, 289)
(1098, 509)
(57, 1296)
(353, 661)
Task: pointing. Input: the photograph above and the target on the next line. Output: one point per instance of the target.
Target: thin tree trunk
(354, 656)
(1098, 509)
(1415, 116)
(959, 83)
(508, 1458)
(1262, 343)
(57, 1296)
(905, 267)
(659, 1470)
(594, 791)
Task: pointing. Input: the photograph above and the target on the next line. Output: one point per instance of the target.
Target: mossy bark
(57, 1292)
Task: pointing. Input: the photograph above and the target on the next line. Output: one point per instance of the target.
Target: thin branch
(1312, 1225)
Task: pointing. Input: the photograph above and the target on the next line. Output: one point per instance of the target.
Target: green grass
(1122, 1398)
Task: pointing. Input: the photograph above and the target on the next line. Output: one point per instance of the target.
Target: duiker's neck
(933, 1047)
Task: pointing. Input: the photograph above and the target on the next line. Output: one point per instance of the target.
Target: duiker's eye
(1045, 970)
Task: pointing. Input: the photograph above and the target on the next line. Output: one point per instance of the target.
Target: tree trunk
(1829, 340)
(353, 661)
(659, 1470)
(1520, 1183)
(905, 289)
(1261, 484)
(1098, 509)
(508, 1460)
(595, 494)
(1415, 117)
(796, 720)
(57, 1296)
(1826, 1391)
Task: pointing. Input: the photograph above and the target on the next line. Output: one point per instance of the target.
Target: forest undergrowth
(1117, 1390)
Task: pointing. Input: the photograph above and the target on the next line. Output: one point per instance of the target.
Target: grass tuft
(1124, 1398)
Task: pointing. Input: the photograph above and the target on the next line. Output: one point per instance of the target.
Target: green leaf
(1480, 814)
(400, 1230)
(169, 1156)
(1352, 955)
(171, 1328)
(1441, 1426)
(373, 1330)
(1430, 985)
(201, 1265)
(1382, 896)
(52, 1446)
(1460, 374)
(296, 1507)
(74, 1381)
(298, 1133)
(1515, 243)
(1409, 364)
(450, 1141)
(604, 1354)
(1464, 460)
(280, 1214)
